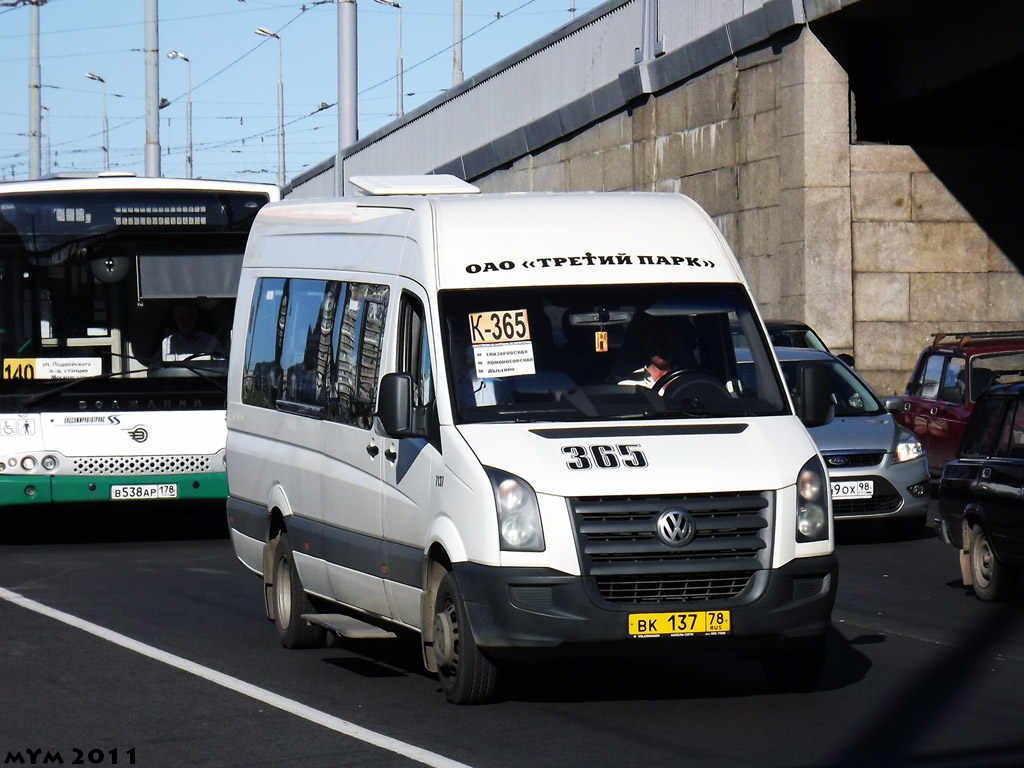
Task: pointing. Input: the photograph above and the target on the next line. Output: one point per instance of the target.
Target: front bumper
(525, 611)
(893, 496)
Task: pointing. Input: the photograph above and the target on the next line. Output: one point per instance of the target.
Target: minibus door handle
(373, 450)
(390, 454)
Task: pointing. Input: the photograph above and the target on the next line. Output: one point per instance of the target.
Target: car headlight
(812, 503)
(908, 447)
(519, 525)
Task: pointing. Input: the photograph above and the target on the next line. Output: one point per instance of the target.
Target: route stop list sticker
(501, 343)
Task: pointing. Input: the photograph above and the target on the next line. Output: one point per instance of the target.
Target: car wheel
(291, 601)
(992, 581)
(796, 669)
(466, 675)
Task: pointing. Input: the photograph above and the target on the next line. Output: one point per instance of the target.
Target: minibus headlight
(519, 525)
(812, 503)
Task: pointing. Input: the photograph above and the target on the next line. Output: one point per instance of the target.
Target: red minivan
(949, 377)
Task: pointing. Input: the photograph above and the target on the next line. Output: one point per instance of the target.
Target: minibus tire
(466, 675)
(291, 601)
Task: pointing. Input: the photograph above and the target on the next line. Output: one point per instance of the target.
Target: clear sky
(234, 76)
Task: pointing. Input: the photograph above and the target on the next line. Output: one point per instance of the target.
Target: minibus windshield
(600, 352)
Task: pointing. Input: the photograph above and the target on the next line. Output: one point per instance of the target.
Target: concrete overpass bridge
(861, 156)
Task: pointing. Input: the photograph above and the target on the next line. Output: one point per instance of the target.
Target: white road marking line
(290, 706)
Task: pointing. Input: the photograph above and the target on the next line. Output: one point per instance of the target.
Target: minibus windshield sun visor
(615, 352)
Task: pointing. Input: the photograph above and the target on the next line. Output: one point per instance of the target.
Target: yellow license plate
(679, 624)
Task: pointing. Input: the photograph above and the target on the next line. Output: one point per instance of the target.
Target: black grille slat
(620, 547)
(675, 568)
(669, 590)
(653, 547)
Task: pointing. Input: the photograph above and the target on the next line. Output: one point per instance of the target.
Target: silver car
(877, 469)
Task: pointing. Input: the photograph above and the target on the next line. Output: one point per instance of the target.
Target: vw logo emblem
(676, 527)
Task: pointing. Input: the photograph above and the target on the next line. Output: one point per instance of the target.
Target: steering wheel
(695, 385)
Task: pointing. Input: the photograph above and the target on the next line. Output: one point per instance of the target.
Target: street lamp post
(188, 109)
(399, 67)
(46, 118)
(106, 135)
(264, 32)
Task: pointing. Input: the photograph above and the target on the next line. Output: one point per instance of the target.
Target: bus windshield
(116, 302)
(601, 352)
(112, 285)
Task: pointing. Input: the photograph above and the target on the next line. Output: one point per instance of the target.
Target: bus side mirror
(813, 400)
(394, 404)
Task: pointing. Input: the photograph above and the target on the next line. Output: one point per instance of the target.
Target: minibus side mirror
(394, 404)
(813, 400)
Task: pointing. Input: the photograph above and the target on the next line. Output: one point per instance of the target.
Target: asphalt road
(134, 638)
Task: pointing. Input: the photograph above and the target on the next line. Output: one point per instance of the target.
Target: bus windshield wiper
(64, 386)
(194, 365)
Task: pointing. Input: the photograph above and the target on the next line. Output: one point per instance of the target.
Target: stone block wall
(862, 242)
(921, 266)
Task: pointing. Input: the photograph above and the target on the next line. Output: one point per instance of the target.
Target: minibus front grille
(629, 561)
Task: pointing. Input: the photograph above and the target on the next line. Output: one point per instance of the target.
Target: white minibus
(516, 425)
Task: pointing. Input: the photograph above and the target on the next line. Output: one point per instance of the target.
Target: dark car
(981, 495)
(950, 375)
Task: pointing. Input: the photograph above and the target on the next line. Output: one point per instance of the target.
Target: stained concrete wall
(862, 242)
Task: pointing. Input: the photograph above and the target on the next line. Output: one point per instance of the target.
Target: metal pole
(399, 104)
(188, 119)
(152, 51)
(280, 118)
(47, 115)
(456, 42)
(106, 136)
(401, 68)
(106, 131)
(188, 109)
(348, 113)
(264, 32)
(33, 93)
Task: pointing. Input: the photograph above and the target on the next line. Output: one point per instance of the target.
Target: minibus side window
(414, 350)
(305, 348)
(358, 336)
(261, 380)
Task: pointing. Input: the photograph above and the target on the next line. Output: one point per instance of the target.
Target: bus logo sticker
(138, 434)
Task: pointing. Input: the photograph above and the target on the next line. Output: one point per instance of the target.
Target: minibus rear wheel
(466, 675)
(291, 601)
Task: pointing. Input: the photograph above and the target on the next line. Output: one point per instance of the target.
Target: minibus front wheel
(291, 601)
(466, 675)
